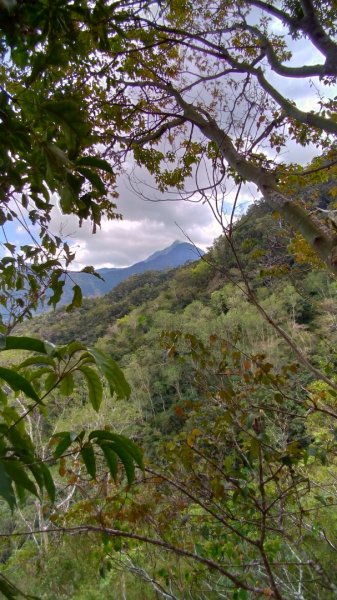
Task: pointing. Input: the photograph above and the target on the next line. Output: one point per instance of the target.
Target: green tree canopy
(51, 55)
(179, 88)
(182, 89)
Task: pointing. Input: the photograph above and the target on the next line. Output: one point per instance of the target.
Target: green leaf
(74, 347)
(110, 457)
(3, 397)
(22, 343)
(112, 372)
(50, 348)
(127, 450)
(119, 440)
(76, 300)
(48, 482)
(36, 360)
(127, 463)
(51, 382)
(17, 473)
(68, 113)
(35, 468)
(94, 161)
(42, 268)
(11, 416)
(88, 456)
(19, 383)
(63, 109)
(37, 374)
(20, 493)
(66, 439)
(240, 594)
(67, 385)
(199, 549)
(91, 271)
(57, 288)
(57, 155)
(3, 218)
(21, 442)
(119, 448)
(6, 488)
(7, 589)
(94, 179)
(95, 388)
(11, 592)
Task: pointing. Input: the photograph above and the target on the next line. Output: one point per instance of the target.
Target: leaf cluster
(33, 379)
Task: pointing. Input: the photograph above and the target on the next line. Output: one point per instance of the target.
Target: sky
(146, 227)
(150, 226)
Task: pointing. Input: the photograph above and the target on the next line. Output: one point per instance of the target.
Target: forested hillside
(106, 279)
(233, 427)
(177, 438)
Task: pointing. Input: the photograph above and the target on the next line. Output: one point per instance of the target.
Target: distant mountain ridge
(176, 255)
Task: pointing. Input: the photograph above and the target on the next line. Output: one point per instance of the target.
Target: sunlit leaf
(113, 374)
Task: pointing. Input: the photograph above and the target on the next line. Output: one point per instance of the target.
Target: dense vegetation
(212, 473)
(238, 436)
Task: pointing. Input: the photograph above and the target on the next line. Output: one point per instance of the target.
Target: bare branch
(142, 538)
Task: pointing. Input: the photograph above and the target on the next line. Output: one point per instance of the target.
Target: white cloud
(153, 225)
(145, 228)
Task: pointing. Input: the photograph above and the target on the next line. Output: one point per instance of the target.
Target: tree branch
(276, 12)
(318, 236)
(318, 70)
(158, 132)
(311, 25)
(307, 118)
(142, 538)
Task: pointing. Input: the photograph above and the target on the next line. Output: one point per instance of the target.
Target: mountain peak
(175, 255)
(183, 247)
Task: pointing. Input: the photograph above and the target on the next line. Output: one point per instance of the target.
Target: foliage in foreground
(88, 85)
(241, 492)
(34, 379)
(238, 494)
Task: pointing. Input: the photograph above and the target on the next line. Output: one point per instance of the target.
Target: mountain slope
(179, 253)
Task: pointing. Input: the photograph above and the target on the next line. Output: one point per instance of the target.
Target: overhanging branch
(142, 538)
(320, 238)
